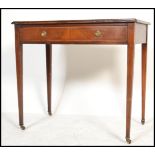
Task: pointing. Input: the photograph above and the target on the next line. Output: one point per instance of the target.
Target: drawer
(74, 34)
(105, 34)
(43, 34)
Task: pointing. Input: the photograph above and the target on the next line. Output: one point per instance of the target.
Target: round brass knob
(98, 33)
(43, 33)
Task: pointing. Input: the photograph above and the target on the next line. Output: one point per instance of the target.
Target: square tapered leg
(49, 75)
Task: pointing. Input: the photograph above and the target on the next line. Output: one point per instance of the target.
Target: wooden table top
(95, 21)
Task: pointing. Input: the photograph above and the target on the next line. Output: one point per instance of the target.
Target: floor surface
(73, 130)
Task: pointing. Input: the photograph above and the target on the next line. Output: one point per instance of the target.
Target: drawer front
(44, 34)
(105, 34)
(74, 34)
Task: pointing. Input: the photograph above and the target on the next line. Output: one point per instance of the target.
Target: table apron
(76, 34)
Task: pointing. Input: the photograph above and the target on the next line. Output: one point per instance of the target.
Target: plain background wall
(87, 79)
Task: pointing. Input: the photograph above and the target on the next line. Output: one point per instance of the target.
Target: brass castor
(22, 127)
(128, 140)
(50, 113)
(143, 121)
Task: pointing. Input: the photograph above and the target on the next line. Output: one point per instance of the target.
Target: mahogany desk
(104, 31)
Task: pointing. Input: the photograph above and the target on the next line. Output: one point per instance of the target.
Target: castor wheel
(128, 140)
(50, 113)
(143, 121)
(22, 127)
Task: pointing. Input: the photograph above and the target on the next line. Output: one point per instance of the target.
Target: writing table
(103, 31)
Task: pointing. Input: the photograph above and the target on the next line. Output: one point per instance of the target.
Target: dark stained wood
(19, 71)
(130, 67)
(109, 34)
(104, 31)
(78, 34)
(96, 21)
(144, 62)
(34, 34)
(49, 74)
